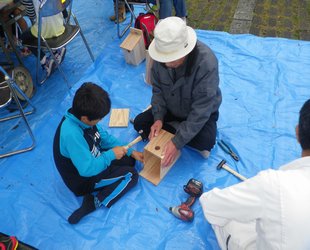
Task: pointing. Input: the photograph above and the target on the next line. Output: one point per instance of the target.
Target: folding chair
(130, 3)
(51, 8)
(7, 24)
(10, 91)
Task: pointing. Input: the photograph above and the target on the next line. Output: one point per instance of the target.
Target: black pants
(204, 140)
(115, 170)
(27, 37)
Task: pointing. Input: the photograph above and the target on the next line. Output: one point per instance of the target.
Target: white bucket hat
(172, 40)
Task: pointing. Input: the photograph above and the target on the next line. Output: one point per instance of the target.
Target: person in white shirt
(270, 210)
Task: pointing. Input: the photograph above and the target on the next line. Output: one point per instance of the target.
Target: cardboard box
(133, 47)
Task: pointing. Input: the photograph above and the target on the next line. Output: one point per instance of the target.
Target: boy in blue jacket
(88, 158)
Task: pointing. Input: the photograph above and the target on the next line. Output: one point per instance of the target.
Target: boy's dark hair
(304, 126)
(92, 101)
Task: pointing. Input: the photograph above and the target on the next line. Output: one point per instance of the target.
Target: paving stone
(304, 25)
(256, 20)
(273, 11)
(243, 15)
(240, 27)
(245, 10)
(305, 35)
(287, 12)
(272, 22)
(254, 30)
(283, 18)
(219, 27)
(287, 34)
(259, 9)
(227, 9)
(213, 8)
(270, 33)
(288, 24)
(223, 18)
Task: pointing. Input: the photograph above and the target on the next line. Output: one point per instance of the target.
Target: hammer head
(220, 165)
(143, 135)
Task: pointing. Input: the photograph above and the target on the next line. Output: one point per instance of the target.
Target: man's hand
(170, 152)
(137, 155)
(119, 152)
(155, 129)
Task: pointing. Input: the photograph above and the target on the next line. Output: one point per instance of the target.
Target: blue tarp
(264, 82)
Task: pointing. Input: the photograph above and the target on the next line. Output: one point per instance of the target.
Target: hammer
(139, 138)
(223, 164)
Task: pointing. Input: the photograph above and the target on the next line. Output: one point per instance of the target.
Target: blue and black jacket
(82, 152)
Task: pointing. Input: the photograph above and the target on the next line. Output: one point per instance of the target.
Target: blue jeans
(166, 8)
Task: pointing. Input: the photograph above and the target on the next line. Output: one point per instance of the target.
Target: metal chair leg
(57, 65)
(83, 37)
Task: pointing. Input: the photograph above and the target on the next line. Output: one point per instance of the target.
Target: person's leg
(165, 9)
(143, 122)
(180, 8)
(47, 63)
(120, 177)
(21, 22)
(122, 9)
(30, 12)
(205, 139)
(26, 38)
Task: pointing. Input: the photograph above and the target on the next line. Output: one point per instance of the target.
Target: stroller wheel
(24, 81)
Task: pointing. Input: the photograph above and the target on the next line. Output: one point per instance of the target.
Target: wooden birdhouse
(153, 170)
(133, 47)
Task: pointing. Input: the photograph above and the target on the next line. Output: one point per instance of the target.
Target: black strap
(227, 241)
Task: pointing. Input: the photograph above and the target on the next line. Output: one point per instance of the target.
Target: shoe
(8, 242)
(25, 52)
(48, 65)
(60, 55)
(121, 13)
(204, 153)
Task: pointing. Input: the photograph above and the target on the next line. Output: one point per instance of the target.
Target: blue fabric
(264, 83)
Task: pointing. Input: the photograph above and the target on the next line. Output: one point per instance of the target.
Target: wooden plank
(119, 118)
(132, 39)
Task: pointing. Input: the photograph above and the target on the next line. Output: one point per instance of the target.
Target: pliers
(228, 150)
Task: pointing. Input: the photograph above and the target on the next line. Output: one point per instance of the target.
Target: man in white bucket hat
(186, 95)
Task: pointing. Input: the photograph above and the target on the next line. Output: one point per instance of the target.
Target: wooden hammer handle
(234, 172)
(139, 138)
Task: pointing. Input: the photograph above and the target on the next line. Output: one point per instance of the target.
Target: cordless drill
(194, 188)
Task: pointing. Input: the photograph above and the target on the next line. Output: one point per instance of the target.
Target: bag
(146, 23)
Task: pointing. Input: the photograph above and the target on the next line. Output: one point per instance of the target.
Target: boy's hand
(137, 155)
(119, 152)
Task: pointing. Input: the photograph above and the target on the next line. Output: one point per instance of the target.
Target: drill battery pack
(193, 187)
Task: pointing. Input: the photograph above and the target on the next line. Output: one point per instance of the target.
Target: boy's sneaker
(60, 55)
(48, 65)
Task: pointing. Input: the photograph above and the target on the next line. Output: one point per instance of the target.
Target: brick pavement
(266, 18)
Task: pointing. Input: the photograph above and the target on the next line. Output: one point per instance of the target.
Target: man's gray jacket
(190, 92)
